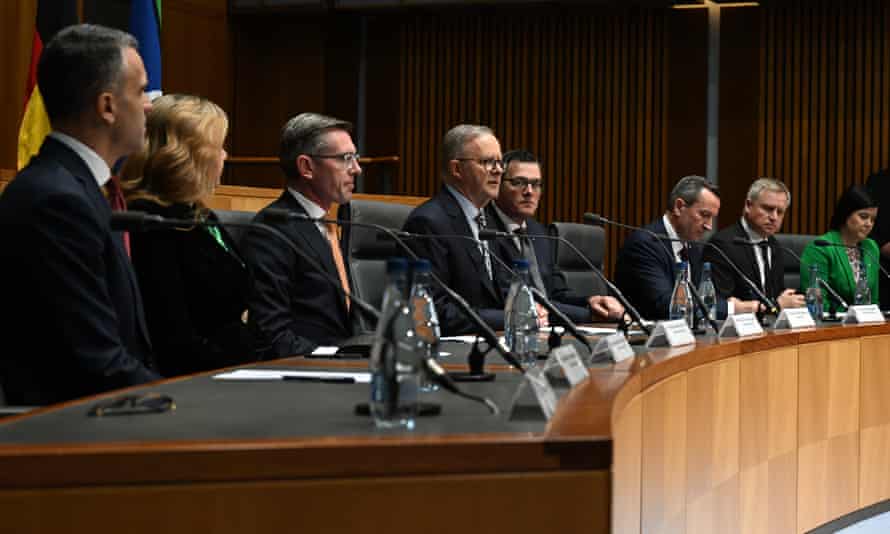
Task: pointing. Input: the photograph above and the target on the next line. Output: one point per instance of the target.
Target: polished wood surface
(777, 433)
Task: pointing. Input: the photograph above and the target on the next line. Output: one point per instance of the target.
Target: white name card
(740, 325)
(864, 313)
(543, 390)
(794, 318)
(571, 364)
(671, 333)
(614, 346)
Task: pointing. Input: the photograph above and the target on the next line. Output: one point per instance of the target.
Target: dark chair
(591, 240)
(231, 216)
(368, 249)
(790, 264)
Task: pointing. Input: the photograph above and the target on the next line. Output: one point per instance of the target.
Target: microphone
(597, 219)
(834, 294)
(477, 364)
(628, 307)
(771, 306)
(825, 243)
(139, 221)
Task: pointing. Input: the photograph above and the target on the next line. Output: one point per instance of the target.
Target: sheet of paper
(325, 351)
(279, 374)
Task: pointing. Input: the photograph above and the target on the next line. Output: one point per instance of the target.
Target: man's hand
(543, 316)
(603, 307)
(790, 299)
(745, 306)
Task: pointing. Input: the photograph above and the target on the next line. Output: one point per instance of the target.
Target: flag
(145, 25)
(52, 16)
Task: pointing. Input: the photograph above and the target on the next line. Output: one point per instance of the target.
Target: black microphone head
(593, 218)
(279, 214)
(134, 221)
(742, 241)
(488, 235)
(821, 243)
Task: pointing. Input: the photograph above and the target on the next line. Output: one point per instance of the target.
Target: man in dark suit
(72, 320)
(294, 307)
(513, 211)
(764, 210)
(471, 169)
(646, 265)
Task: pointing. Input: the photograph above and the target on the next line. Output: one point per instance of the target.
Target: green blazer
(835, 268)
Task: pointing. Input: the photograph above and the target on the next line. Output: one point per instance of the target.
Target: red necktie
(118, 203)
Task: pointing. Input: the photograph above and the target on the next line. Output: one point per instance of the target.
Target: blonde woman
(193, 280)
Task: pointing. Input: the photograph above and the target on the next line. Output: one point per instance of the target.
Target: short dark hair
(302, 135)
(520, 156)
(77, 64)
(855, 198)
(689, 188)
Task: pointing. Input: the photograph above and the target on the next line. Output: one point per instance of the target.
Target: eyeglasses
(489, 164)
(134, 405)
(522, 183)
(347, 158)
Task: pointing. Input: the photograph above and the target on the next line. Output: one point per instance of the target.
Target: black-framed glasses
(489, 164)
(520, 182)
(133, 405)
(346, 158)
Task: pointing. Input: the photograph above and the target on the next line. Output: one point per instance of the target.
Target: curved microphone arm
(825, 243)
(771, 306)
(825, 284)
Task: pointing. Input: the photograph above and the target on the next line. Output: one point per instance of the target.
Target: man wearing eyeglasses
(513, 211)
(470, 168)
(294, 307)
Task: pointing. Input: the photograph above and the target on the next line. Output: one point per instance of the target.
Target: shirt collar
(312, 209)
(676, 246)
(469, 209)
(509, 223)
(97, 166)
(752, 235)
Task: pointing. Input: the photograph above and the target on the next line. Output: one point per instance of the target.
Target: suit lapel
(308, 233)
(750, 258)
(460, 226)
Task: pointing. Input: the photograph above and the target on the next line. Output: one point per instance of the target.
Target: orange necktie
(338, 258)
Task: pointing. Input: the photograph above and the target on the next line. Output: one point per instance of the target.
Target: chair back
(590, 240)
(234, 216)
(790, 264)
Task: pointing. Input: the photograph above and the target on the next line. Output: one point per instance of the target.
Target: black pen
(322, 379)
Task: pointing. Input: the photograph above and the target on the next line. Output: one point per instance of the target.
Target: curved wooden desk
(778, 433)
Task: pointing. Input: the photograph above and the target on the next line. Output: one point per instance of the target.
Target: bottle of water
(521, 317)
(681, 299)
(708, 293)
(863, 291)
(426, 321)
(395, 355)
(814, 294)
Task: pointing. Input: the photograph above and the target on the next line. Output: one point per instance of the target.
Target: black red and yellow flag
(52, 16)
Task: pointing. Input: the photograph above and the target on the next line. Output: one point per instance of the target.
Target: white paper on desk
(279, 374)
(459, 339)
(586, 330)
(325, 351)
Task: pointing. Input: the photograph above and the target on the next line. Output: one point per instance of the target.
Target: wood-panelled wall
(587, 91)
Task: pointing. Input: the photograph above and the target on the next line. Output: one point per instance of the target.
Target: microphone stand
(628, 307)
(834, 294)
(596, 219)
(771, 307)
(476, 364)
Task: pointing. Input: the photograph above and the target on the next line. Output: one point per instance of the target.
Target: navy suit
(574, 306)
(293, 307)
(730, 284)
(71, 322)
(458, 262)
(646, 269)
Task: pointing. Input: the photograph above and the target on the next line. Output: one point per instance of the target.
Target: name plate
(671, 334)
(740, 325)
(863, 314)
(542, 389)
(794, 318)
(571, 364)
(613, 346)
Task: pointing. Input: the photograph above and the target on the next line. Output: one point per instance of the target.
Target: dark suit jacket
(71, 323)
(458, 262)
(574, 306)
(730, 284)
(293, 307)
(195, 292)
(645, 272)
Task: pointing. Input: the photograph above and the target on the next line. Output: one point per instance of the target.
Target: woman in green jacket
(850, 252)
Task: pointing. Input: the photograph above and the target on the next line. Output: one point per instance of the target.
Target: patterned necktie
(764, 253)
(118, 203)
(334, 241)
(483, 245)
(528, 252)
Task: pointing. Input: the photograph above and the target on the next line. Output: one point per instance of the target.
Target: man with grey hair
(294, 308)
(761, 261)
(646, 265)
(72, 321)
(471, 166)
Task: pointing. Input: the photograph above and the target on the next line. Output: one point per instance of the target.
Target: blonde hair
(184, 135)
